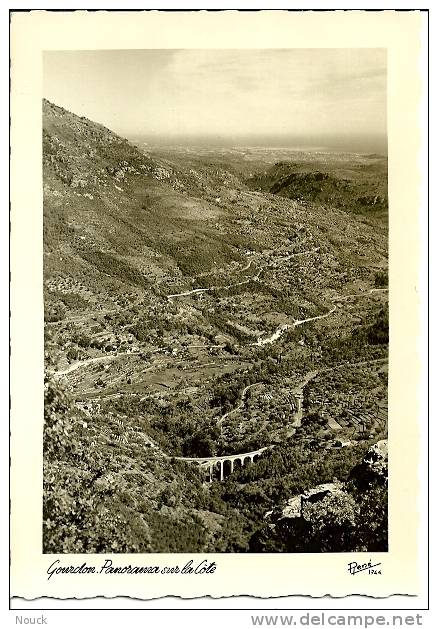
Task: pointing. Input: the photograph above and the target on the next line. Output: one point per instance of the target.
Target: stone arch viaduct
(221, 463)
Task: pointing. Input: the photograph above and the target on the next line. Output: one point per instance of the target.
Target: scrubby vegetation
(104, 494)
(201, 303)
(355, 190)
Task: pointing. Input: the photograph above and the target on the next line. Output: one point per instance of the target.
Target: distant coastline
(361, 144)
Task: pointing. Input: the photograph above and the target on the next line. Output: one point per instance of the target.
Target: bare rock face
(372, 470)
(295, 506)
(377, 456)
(374, 467)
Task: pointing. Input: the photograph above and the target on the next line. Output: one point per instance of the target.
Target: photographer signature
(355, 567)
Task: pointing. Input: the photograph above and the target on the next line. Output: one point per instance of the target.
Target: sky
(303, 93)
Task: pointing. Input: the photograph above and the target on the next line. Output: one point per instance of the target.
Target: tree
(332, 522)
(54, 312)
(371, 533)
(199, 444)
(381, 279)
(82, 510)
(378, 332)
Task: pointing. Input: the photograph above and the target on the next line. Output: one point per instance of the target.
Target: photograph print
(215, 301)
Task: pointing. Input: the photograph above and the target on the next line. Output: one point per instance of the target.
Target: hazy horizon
(325, 98)
(347, 143)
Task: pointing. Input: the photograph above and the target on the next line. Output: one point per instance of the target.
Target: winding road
(90, 361)
(297, 392)
(255, 278)
(81, 318)
(209, 461)
(240, 404)
(370, 292)
(287, 326)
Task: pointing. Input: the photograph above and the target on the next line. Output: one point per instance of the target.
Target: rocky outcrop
(83, 154)
(295, 507)
(373, 468)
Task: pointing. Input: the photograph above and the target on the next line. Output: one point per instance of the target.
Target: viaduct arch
(218, 462)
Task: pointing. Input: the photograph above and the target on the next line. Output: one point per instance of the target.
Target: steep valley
(204, 303)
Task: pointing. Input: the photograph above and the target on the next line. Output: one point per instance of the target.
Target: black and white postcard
(215, 261)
